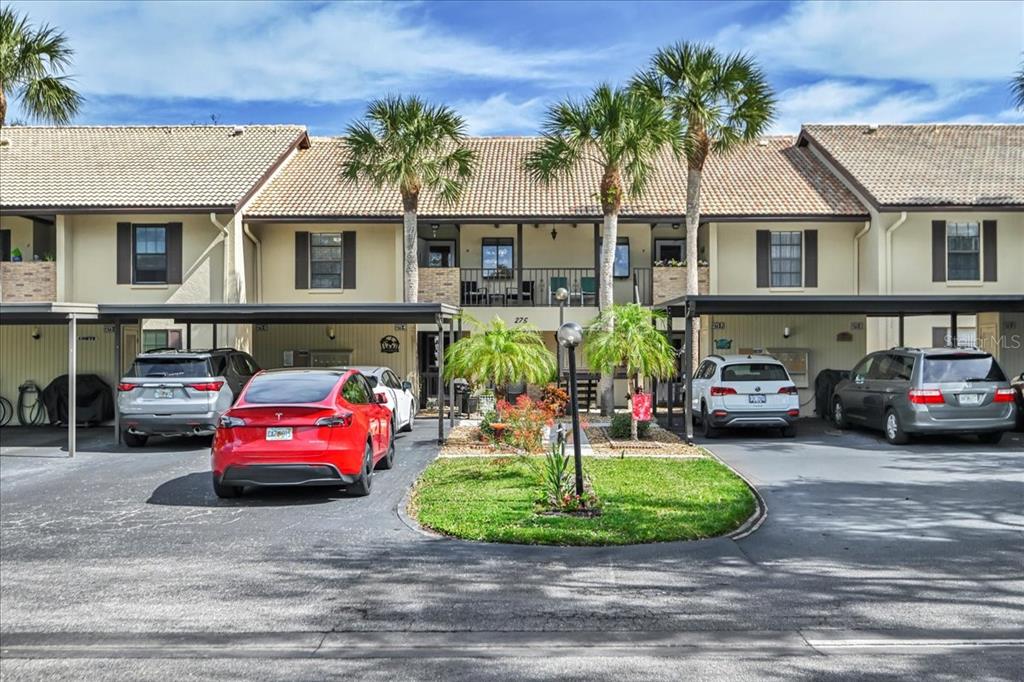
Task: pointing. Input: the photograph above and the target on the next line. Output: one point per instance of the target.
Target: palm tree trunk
(412, 269)
(693, 177)
(606, 297)
(3, 106)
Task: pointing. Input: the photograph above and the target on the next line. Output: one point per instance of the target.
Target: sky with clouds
(501, 63)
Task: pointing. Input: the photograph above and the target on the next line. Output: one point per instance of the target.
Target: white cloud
(836, 101)
(498, 114)
(280, 51)
(927, 42)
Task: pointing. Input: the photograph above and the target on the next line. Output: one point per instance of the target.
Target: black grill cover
(95, 400)
(824, 387)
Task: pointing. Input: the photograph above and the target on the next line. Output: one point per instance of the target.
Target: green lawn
(645, 500)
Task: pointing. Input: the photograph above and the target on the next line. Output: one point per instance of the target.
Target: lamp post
(561, 295)
(570, 335)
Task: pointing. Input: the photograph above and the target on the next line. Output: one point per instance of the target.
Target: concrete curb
(760, 513)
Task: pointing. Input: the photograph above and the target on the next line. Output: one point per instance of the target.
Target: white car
(744, 391)
(400, 399)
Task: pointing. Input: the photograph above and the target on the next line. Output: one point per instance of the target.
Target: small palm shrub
(621, 427)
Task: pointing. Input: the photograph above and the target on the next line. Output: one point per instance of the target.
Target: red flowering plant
(524, 423)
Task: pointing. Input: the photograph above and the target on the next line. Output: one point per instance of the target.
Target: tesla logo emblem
(279, 415)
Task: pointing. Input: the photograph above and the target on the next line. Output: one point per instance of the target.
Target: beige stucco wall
(21, 234)
(912, 254)
(734, 253)
(378, 263)
(91, 269)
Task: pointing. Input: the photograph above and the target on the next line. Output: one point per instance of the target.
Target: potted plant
(15, 255)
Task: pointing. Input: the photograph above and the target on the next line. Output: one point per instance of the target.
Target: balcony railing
(501, 286)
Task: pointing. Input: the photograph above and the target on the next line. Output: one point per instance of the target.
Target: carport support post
(954, 341)
(669, 397)
(688, 374)
(117, 377)
(451, 384)
(901, 344)
(440, 380)
(72, 383)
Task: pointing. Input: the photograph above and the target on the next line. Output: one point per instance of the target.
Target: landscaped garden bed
(501, 499)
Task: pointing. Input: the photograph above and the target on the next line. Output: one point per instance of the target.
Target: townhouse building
(261, 214)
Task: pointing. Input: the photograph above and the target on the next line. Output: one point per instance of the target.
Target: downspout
(888, 250)
(856, 256)
(259, 261)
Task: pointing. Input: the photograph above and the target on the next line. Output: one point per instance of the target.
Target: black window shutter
(348, 260)
(810, 258)
(764, 248)
(124, 253)
(173, 253)
(302, 260)
(990, 250)
(938, 250)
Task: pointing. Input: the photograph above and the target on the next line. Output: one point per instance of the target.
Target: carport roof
(875, 306)
(295, 313)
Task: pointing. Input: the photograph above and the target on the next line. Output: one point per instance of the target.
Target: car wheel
(412, 417)
(361, 486)
(839, 414)
(134, 440)
(789, 431)
(388, 460)
(226, 492)
(894, 432)
(709, 430)
(991, 438)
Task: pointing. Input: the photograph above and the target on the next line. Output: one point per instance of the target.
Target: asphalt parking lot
(128, 555)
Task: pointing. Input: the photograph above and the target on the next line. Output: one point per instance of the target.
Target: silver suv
(179, 393)
(906, 391)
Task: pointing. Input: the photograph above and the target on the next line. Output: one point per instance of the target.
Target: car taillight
(793, 413)
(206, 386)
(789, 390)
(126, 387)
(926, 396)
(337, 420)
(722, 390)
(227, 422)
(1004, 395)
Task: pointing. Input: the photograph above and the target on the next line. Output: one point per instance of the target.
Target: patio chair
(472, 294)
(513, 293)
(556, 283)
(588, 288)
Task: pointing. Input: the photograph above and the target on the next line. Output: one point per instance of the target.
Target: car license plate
(757, 399)
(970, 399)
(279, 433)
(161, 393)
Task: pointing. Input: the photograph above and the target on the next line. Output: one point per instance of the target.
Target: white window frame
(341, 261)
(981, 251)
(799, 259)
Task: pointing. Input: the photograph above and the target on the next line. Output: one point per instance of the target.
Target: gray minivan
(906, 391)
(180, 393)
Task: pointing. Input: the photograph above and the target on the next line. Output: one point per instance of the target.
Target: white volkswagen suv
(744, 391)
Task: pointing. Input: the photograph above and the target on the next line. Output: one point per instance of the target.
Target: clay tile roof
(770, 178)
(929, 164)
(137, 166)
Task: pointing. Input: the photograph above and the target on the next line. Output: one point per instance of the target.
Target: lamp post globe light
(570, 335)
(561, 295)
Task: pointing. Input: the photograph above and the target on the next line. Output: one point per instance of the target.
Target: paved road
(894, 561)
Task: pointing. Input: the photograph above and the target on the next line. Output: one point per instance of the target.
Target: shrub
(620, 428)
(555, 398)
(524, 423)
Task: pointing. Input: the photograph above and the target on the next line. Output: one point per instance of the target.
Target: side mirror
(407, 385)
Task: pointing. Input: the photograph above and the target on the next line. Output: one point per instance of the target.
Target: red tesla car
(322, 427)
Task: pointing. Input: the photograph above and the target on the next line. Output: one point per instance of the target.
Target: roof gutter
(888, 249)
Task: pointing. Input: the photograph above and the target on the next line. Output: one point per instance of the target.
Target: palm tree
(413, 146)
(627, 335)
(1017, 88)
(32, 64)
(499, 354)
(720, 101)
(621, 134)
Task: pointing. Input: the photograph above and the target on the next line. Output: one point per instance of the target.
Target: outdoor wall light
(786, 331)
(570, 335)
(675, 226)
(554, 232)
(330, 333)
(36, 334)
(433, 229)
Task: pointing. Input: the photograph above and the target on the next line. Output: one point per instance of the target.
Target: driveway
(868, 553)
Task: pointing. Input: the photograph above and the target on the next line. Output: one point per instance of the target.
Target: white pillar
(72, 383)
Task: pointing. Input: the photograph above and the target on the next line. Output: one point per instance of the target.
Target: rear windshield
(170, 367)
(961, 367)
(755, 371)
(286, 388)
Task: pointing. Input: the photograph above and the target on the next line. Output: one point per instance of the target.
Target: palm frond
(627, 336)
(499, 354)
(33, 62)
(1017, 88)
